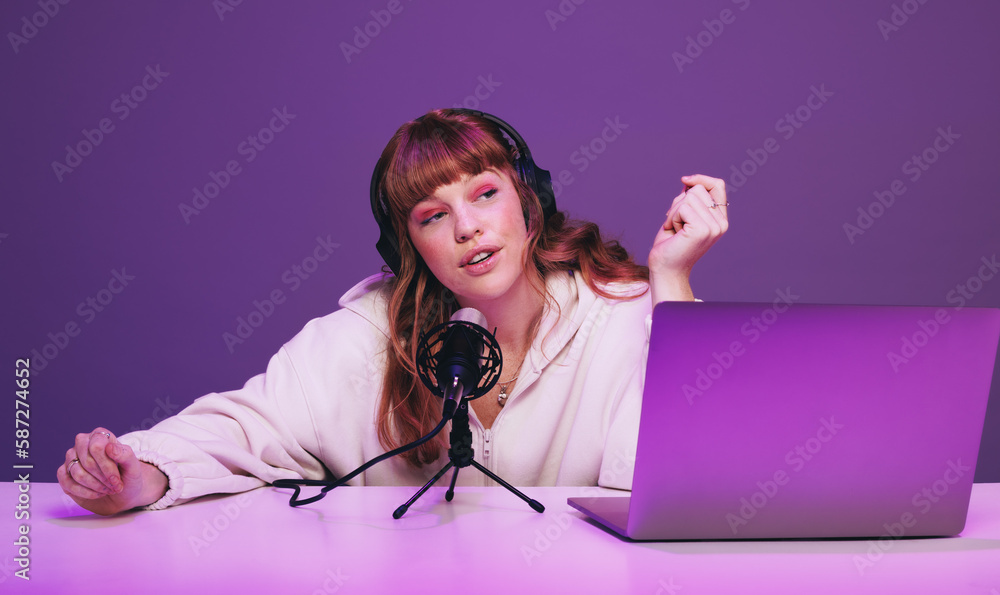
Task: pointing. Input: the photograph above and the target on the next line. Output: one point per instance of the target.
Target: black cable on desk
(297, 484)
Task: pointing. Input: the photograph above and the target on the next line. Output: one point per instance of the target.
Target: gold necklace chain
(502, 397)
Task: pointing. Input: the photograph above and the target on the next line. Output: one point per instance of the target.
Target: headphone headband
(536, 178)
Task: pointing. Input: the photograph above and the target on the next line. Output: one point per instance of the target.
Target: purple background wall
(558, 78)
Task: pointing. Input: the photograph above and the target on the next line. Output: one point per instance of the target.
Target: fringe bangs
(434, 152)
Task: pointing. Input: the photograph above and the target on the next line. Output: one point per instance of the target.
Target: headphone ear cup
(389, 250)
(539, 180)
(387, 244)
(546, 196)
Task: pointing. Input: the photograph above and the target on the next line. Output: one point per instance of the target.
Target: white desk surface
(485, 541)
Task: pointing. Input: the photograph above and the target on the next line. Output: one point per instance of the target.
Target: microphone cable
(297, 484)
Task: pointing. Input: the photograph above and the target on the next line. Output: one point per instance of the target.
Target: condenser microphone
(458, 369)
(459, 359)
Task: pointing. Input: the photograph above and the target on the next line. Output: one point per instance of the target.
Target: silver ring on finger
(716, 204)
(71, 463)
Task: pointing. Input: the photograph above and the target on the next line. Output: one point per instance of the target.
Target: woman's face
(472, 236)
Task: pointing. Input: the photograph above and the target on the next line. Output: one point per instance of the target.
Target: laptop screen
(807, 420)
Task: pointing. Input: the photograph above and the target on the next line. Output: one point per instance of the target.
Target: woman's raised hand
(696, 220)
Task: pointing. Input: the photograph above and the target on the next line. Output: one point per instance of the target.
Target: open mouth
(478, 258)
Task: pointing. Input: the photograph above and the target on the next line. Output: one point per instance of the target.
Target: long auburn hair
(437, 150)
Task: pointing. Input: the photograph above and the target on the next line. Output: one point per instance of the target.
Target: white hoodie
(571, 420)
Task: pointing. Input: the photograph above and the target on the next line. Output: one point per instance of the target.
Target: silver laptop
(806, 421)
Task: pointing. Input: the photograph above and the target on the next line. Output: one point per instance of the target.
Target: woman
(572, 317)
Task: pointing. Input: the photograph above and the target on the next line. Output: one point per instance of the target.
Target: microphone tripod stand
(460, 455)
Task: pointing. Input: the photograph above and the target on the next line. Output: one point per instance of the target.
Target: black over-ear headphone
(536, 178)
